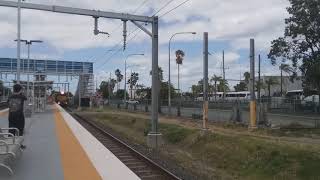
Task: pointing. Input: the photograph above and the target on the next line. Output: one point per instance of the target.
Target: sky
(230, 24)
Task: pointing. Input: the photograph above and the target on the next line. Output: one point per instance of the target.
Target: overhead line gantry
(135, 19)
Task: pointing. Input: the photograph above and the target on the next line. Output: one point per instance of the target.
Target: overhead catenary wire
(117, 28)
(184, 2)
(167, 4)
(117, 51)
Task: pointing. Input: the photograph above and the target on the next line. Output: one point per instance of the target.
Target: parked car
(132, 101)
(310, 100)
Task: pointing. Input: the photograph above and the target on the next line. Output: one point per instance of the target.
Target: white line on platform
(107, 164)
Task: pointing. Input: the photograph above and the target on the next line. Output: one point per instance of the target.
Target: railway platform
(59, 148)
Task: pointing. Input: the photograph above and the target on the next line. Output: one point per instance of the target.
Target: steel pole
(169, 79)
(205, 81)
(179, 107)
(33, 101)
(224, 75)
(109, 89)
(259, 80)
(18, 41)
(125, 80)
(79, 91)
(155, 76)
(28, 72)
(253, 108)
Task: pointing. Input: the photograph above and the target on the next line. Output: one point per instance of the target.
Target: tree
(119, 77)
(215, 79)
(164, 88)
(270, 82)
(120, 94)
(107, 86)
(301, 42)
(223, 85)
(198, 88)
(246, 78)
(133, 81)
(284, 68)
(242, 86)
(160, 72)
(179, 56)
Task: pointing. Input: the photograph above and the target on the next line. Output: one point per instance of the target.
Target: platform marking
(75, 162)
(106, 163)
(4, 112)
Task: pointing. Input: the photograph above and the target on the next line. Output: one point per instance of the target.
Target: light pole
(29, 43)
(125, 74)
(169, 78)
(18, 40)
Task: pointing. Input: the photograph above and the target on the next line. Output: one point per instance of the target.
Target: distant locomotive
(62, 99)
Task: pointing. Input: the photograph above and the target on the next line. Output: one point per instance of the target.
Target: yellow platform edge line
(4, 113)
(75, 162)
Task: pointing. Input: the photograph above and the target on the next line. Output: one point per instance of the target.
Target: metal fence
(271, 112)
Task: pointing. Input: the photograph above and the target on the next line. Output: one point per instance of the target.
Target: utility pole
(79, 92)
(125, 83)
(205, 81)
(259, 80)
(18, 41)
(281, 80)
(131, 85)
(109, 86)
(253, 107)
(224, 75)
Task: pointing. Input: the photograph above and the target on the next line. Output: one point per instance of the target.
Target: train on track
(61, 98)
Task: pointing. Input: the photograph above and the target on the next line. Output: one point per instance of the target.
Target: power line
(169, 2)
(114, 47)
(119, 49)
(141, 5)
(109, 58)
(174, 8)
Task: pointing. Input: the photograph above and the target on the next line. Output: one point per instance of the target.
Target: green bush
(174, 134)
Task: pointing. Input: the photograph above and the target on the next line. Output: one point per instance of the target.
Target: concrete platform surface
(59, 148)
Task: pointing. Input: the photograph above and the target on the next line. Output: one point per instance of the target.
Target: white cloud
(232, 21)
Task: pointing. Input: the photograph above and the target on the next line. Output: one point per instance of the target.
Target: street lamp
(169, 81)
(28, 43)
(125, 74)
(18, 40)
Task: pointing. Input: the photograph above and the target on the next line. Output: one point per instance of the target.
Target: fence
(274, 112)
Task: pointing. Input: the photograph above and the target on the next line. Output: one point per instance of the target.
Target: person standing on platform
(16, 113)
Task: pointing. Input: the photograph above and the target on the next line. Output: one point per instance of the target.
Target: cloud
(230, 22)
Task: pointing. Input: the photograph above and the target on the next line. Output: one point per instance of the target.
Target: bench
(10, 148)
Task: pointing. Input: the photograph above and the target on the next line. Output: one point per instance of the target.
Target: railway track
(141, 165)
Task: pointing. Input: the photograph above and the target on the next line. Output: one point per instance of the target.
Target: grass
(221, 156)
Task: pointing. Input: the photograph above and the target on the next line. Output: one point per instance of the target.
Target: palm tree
(215, 79)
(133, 81)
(179, 59)
(119, 77)
(223, 85)
(246, 77)
(270, 82)
(284, 68)
(179, 56)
